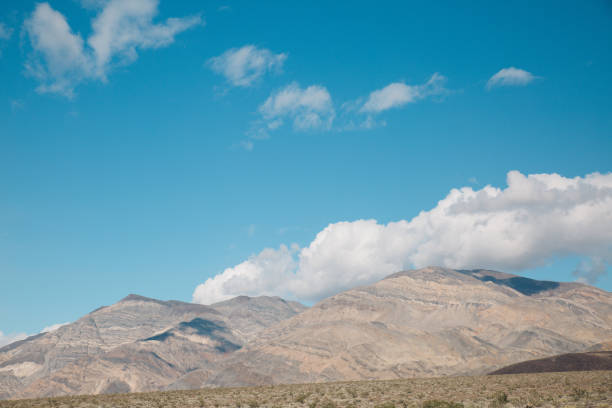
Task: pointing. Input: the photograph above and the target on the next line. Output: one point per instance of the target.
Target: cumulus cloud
(243, 66)
(61, 59)
(535, 219)
(308, 108)
(11, 338)
(510, 77)
(398, 94)
(261, 274)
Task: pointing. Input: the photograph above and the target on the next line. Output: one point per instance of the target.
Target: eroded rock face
(428, 322)
(136, 344)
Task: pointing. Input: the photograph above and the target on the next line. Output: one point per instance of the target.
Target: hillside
(592, 361)
(427, 322)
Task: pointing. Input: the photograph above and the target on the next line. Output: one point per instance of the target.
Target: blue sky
(146, 168)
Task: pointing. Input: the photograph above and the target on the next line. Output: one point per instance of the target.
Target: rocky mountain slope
(428, 322)
(134, 345)
(250, 315)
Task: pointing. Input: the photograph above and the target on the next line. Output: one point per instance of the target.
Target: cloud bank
(243, 66)
(510, 77)
(535, 219)
(61, 59)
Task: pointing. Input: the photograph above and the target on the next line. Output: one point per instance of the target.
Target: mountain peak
(132, 297)
(429, 321)
(521, 284)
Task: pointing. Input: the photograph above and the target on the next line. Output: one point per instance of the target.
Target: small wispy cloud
(53, 327)
(510, 77)
(362, 113)
(246, 144)
(398, 94)
(11, 338)
(243, 66)
(17, 104)
(5, 35)
(61, 59)
(308, 109)
(312, 108)
(590, 270)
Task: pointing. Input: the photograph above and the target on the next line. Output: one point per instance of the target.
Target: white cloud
(17, 104)
(510, 77)
(53, 327)
(60, 59)
(123, 26)
(312, 108)
(398, 94)
(535, 219)
(309, 108)
(10, 338)
(261, 274)
(247, 145)
(13, 337)
(243, 66)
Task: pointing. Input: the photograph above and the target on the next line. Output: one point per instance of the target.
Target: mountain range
(427, 322)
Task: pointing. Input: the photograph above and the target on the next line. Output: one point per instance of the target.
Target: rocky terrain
(420, 323)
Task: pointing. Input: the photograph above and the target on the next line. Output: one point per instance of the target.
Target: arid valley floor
(569, 389)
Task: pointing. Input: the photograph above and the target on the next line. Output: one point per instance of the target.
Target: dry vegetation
(576, 389)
